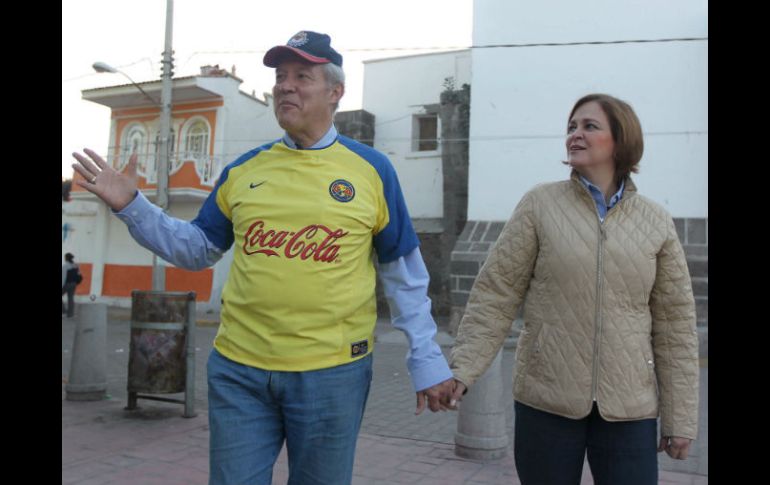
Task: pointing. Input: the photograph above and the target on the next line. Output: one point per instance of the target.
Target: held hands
(441, 397)
(457, 394)
(437, 397)
(116, 189)
(676, 447)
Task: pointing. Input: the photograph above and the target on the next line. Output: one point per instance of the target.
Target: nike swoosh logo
(254, 186)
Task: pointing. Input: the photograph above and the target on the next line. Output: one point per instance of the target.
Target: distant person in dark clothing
(70, 277)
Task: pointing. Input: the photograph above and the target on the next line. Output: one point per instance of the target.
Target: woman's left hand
(676, 447)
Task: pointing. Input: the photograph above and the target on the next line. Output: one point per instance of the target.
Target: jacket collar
(628, 191)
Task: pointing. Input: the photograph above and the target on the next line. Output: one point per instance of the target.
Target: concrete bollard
(481, 429)
(88, 367)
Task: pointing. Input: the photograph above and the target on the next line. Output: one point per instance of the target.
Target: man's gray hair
(334, 75)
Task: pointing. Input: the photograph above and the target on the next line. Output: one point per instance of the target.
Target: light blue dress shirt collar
(324, 142)
(598, 196)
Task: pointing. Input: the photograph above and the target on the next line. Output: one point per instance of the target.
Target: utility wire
(430, 48)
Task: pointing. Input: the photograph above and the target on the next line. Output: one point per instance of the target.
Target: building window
(196, 139)
(134, 141)
(425, 133)
(196, 143)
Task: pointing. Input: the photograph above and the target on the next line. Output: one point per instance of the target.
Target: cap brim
(274, 56)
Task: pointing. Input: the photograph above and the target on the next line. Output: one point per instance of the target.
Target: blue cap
(311, 46)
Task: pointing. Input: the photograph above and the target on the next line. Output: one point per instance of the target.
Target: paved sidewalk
(104, 444)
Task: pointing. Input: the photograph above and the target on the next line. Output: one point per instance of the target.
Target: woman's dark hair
(69, 257)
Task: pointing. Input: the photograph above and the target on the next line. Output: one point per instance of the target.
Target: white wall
(247, 125)
(520, 21)
(394, 91)
(521, 97)
(80, 217)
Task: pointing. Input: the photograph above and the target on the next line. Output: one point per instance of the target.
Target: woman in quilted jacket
(609, 341)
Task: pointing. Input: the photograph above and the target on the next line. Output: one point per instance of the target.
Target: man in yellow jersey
(292, 360)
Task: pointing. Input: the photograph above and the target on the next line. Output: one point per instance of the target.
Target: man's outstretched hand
(116, 189)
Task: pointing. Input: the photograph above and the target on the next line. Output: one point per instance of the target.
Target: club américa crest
(299, 39)
(342, 190)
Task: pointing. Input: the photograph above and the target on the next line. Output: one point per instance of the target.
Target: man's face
(303, 100)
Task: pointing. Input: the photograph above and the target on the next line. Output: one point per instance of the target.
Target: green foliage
(455, 96)
(460, 98)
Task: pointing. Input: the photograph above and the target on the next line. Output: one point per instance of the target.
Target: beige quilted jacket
(609, 312)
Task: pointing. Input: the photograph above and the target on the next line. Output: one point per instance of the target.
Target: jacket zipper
(599, 271)
(598, 327)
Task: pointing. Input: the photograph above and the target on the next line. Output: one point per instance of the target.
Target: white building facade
(522, 94)
(531, 61)
(403, 94)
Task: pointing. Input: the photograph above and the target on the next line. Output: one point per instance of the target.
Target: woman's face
(589, 138)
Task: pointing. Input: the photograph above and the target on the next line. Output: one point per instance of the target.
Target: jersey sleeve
(394, 235)
(214, 218)
(397, 237)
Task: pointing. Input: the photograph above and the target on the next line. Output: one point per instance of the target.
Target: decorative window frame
(206, 166)
(135, 138)
(208, 169)
(184, 142)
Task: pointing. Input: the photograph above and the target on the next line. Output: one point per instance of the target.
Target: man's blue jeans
(252, 411)
(550, 449)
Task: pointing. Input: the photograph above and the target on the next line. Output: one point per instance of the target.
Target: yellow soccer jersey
(300, 292)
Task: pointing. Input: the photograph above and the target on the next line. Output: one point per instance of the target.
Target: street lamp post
(165, 112)
(158, 271)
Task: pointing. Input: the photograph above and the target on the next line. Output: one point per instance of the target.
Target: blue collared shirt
(324, 142)
(601, 206)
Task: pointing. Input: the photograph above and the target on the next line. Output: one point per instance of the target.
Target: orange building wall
(121, 280)
(200, 282)
(84, 288)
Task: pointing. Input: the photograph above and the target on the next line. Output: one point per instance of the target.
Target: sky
(129, 35)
